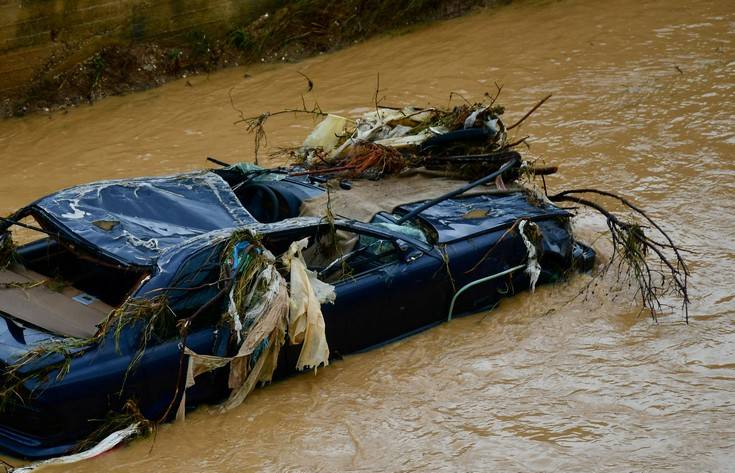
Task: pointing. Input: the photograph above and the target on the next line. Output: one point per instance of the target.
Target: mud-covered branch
(658, 268)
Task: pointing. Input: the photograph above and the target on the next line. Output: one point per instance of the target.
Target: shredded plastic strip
(533, 268)
(298, 307)
(108, 443)
(306, 322)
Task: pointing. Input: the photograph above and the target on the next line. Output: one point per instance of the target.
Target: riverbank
(86, 70)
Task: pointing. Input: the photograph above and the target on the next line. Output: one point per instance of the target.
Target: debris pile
(387, 141)
(469, 142)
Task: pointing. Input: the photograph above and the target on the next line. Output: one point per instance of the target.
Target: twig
(528, 114)
(492, 248)
(494, 99)
(310, 83)
(256, 124)
(377, 100)
(452, 94)
(638, 210)
(516, 143)
(323, 171)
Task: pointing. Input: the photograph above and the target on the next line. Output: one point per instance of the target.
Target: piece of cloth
(296, 306)
(268, 331)
(196, 365)
(266, 335)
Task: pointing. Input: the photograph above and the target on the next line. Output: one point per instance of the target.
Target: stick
(528, 114)
(218, 162)
(543, 170)
(457, 192)
(489, 156)
(516, 143)
(323, 171)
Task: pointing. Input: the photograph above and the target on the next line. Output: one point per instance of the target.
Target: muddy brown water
(643, 104)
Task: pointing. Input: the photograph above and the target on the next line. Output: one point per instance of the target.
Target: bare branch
(631, 245)
(529, 113)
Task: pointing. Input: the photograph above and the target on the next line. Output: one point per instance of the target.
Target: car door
(190, 287)
(396, 288)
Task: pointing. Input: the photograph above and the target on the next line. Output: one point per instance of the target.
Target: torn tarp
(134, 220)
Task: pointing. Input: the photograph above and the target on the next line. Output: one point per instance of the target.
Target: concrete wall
(32, 30)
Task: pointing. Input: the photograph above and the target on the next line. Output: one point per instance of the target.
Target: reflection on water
(642, 105)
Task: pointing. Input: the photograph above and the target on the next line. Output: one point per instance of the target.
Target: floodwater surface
(642, 105)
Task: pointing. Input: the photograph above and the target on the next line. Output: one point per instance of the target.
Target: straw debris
(7, 250)
(117, 420)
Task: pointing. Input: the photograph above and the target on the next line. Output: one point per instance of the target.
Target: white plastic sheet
(108, 443)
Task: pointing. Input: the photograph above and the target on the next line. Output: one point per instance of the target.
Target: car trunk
(62, 292)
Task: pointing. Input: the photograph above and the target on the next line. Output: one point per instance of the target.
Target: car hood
(465, 216)
(134, 220)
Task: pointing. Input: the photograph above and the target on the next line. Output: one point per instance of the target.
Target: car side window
(366, 254)
(336, 254)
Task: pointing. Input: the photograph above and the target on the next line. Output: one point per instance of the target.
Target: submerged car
(111, 241)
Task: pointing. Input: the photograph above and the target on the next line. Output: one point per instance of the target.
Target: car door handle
(412, 256)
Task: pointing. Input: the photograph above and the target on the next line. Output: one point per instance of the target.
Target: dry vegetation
(87, 70)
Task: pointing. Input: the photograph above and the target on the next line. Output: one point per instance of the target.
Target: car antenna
(457, 192)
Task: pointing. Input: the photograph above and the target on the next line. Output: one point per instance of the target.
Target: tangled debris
(469, 141)
(665, 274)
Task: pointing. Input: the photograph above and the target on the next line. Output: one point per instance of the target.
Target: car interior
(336, 254)
(268, 197)
(63, 291)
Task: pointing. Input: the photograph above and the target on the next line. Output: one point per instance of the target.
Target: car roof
(133, 221)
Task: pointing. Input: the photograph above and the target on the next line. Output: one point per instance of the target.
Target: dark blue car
(111, 241)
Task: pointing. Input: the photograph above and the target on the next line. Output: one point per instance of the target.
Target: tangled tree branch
(632, 246)
(256, 124)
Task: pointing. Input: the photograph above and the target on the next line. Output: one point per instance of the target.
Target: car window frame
(362, 228)
(397, 260)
